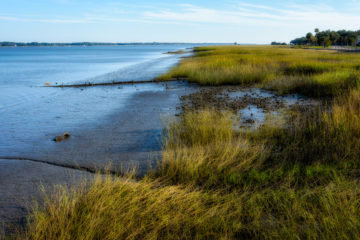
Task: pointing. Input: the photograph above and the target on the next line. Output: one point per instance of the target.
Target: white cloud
(241, 14)
(194, 14)
(236, 20)
(261, 15)
(5, 18)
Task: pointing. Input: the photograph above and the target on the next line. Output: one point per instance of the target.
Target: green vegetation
(328, 38)
(296, 177)
(278, 43)
(219, 183)
(284, 69)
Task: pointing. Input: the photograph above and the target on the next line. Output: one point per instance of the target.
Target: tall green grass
(310, 72)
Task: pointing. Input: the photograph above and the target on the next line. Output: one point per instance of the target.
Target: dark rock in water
(66, 135)
(58, 139)
(62, 137)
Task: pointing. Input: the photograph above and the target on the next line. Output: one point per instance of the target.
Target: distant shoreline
(90, 44)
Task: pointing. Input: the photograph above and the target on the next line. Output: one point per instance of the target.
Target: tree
(278, 43)
(309, 37)
(327, 42)
(334, 37)
(328, 37)
(351, 40)
(299, 41)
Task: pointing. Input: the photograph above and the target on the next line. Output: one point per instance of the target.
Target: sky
(205, 21)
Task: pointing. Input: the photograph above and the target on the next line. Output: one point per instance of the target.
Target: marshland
(294, 176)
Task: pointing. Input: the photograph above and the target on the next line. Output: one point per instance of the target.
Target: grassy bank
(296, 177)
(219, 183)
(310, 72)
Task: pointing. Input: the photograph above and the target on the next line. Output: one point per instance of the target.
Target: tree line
(328, 38)
(278, 43)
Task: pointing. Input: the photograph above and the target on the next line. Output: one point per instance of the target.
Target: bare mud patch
(251, 104)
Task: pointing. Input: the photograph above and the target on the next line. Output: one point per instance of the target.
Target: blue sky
(172, 21)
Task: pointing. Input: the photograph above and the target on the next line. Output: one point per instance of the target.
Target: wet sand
(130, 137)
(126, 138)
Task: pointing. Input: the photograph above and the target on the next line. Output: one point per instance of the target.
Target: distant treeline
(328, 38)
(278, 43)
(44, 44)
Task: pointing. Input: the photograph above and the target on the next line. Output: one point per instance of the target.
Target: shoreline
(129, 137)
(114, 83)
(114, 44)
(139, 123)
(277, 165)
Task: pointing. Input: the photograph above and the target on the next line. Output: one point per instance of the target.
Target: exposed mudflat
(252, 104)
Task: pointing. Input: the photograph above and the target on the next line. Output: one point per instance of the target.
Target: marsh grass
(329, 84)
(117, 209)
(219, 182)
(307, 71)
(204, 150)
(295, 177)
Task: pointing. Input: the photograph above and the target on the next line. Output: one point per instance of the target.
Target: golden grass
(294, 178)
(118, 209)
(277, 68)
(222, 183)
(203, 149)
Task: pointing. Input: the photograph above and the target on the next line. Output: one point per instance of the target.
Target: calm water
(29, 111)
(24, 68)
